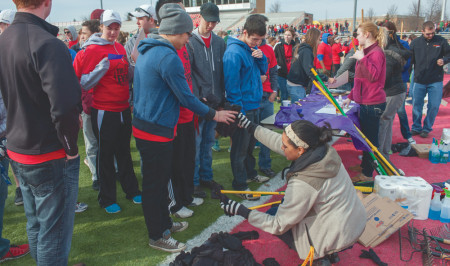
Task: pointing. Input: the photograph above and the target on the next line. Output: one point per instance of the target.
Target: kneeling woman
(319, 195)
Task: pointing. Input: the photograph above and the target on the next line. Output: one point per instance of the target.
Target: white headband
(294, 138)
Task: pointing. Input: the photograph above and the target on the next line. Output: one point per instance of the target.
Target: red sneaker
(16, 252)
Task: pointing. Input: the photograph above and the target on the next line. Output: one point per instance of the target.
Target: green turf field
(121, 239)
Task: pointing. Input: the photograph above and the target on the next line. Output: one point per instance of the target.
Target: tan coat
(320, 196)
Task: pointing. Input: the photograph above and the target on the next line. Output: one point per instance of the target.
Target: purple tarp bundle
(313, 103)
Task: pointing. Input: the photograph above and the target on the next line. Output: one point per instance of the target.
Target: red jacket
(370, 76)
(325, 50)
(336, 49)
(272, 62)
(112, 91)
(186, 115)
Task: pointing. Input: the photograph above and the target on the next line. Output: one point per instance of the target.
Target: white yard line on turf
(225, 223)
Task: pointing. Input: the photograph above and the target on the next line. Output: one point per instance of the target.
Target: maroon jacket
(370, 76)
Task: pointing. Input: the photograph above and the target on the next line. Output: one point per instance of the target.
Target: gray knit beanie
(174, 20)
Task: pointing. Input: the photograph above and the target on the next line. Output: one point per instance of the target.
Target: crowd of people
(174, 88)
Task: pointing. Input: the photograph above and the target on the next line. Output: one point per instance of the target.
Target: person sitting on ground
(319, 201)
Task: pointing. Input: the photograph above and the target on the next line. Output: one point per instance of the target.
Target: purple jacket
(370, 76)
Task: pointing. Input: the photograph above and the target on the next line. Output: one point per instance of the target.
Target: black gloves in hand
(232, 208)
(244, 122)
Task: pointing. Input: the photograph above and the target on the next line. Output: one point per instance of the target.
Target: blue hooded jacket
(242, 74)
(160, 87)
(405, 73)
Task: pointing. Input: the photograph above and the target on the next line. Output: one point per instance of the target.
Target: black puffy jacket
(281, 58)
(396, 58)
(302, 62)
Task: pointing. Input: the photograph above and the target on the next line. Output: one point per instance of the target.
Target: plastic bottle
(445, 209)
(444, 152)
(435, 207)
(434, 155)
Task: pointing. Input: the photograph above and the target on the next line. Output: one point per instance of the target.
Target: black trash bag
(227, 130)
(249, 235)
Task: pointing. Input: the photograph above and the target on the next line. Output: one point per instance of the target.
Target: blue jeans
(4, 243)
(241, 155)
(434, 91)
(369, 119)
(203, 156)
(265, 110)
(404, 124)
(282, 84)
(49, 192)
(296, 92)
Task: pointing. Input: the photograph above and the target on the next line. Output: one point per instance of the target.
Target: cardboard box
(384, 217)
(422, 149)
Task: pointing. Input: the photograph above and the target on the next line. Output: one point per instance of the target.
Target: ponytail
(380, 35)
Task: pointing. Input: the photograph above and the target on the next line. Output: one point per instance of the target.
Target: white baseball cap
(109, 17)
(144, 11)
(7, 16)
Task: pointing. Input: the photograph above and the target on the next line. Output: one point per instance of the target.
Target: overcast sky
(65, 10)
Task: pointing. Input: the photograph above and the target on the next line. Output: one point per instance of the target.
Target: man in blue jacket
(243, 65)
(160, 88)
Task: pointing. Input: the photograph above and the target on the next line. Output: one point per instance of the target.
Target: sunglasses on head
(142, 10)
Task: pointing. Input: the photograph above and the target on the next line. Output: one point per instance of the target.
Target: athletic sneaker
(196, 202)
(258, 179)
(183, 213)
(216, 146)
(137, 199)
(178, 226)
(411, 141)
(248, 196)
(167, 244)
(18, 199)
(80, 207)
(113, 208)
(16, 252)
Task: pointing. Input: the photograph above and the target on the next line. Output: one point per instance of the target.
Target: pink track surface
(269, 246)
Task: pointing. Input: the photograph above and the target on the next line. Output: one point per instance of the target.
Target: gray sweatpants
(386, 121)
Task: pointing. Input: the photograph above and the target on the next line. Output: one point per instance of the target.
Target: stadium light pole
(101, 4)
(444, 2)
(354, 15)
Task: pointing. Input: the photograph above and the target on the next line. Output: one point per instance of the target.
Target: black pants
(369, 120)
(156, 168)
(183, 166)
(113, 133)
(335, 69)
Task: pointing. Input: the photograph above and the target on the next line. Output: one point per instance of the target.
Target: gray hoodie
(207, 65)
(73, 31)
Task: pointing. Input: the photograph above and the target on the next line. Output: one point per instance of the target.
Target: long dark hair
(311, 37)
(313, 135)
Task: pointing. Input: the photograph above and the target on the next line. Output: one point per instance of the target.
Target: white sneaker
(183, 213)
(80, 207)
(196, 202)
(411, 141)
(258, 179)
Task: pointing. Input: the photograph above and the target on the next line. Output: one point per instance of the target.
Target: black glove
(3, 153)
(244, 122)
(231, 208)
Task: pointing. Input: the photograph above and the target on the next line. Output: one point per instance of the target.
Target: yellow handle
(259, 193)
(264, 205)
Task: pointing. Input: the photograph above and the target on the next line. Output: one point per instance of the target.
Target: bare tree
(433, 10)
(417, 12)
(371, 14)
(275, 7)
(392, 10)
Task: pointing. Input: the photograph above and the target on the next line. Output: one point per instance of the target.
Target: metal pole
(101, 4)
(444, 2)
(354, 15)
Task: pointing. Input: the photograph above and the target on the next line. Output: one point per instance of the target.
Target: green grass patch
(121, 239)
